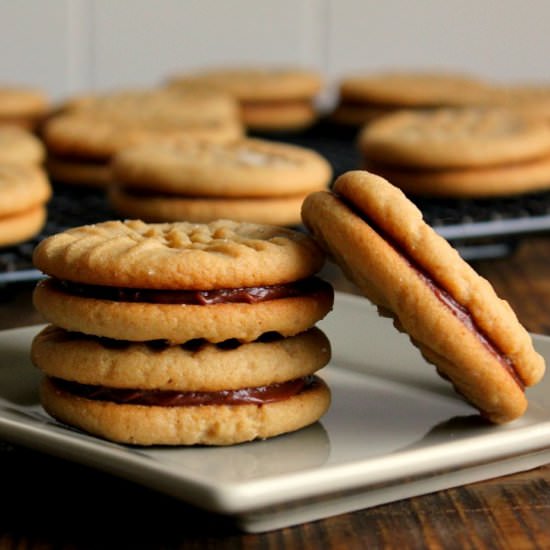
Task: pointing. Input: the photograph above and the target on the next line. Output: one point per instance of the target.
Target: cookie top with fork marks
(219, 254)
(455, 138)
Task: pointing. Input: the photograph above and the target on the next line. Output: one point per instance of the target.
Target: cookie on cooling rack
(249, 180)
(530, 98)
(84, 135)
(365, 97)
(270, 98)
(450, 313)
(20, 146)
(215, 322)
(469, 152)
(178, 105)
(24, 193)
(23, 106)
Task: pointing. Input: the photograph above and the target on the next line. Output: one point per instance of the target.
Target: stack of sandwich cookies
(182, 333)
(452, 314)
(469, 152)
(250, 180)
(271, 99)
(84, 135)
(362, 98)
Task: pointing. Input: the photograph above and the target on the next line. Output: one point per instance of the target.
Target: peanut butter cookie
(182, 334)
(23, 106)
(250, 180)
(362, 98)
(271, 98)
(86, 132)
(24, 193)
(470, 152)
(454, 138)
(18, 145)
(450, 313)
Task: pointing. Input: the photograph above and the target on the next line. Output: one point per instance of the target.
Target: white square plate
(394, 430)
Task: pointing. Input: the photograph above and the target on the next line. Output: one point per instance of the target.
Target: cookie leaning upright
(182, 333)
(450, 313)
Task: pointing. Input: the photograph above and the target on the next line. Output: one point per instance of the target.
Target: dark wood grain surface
(48, 503)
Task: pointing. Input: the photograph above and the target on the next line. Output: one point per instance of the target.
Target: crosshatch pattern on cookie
(220, 254)
(465, 137)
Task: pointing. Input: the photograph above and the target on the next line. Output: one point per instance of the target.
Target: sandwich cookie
(249, 180)
(271, 99)
(182, 333)
(195, 393)
(469, 152)
(82, 137)
(20, 146)
(185, 105)
(23, 106)
(451, 313)
(24, 193)
(363, 98)
(530, 98)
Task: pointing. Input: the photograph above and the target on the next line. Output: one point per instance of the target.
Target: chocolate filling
(79, 158)
(276, 102)
(464, 317)
(172, 398)
(459, 311)
(194, 345)
(140, 193)
(367, 104)
(248, 295)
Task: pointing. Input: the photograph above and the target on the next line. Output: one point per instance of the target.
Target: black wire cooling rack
(479, 229)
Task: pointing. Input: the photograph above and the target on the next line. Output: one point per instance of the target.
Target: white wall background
(67, 46)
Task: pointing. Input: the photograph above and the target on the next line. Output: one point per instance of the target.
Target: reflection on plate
(394, 430)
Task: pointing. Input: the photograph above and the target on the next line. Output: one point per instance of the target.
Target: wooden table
(48, 503)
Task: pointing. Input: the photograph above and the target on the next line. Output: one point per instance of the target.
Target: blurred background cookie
(85, 133)
(531, 99)
(21, 146)
(178, 103)
(271, 98)
(24, 193)
(23, 106)
(250, 180)
(364, 97)
(466, 152)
